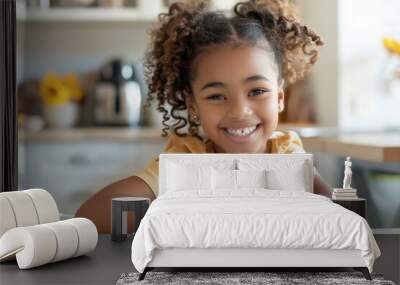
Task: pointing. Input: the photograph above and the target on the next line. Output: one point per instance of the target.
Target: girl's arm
(320, 187)
(98, 207)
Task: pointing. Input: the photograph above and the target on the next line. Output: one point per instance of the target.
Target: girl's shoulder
(184, 144)
(286, 141)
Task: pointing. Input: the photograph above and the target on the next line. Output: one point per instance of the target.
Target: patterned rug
(269, 278)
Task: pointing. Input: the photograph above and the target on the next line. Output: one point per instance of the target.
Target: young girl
(223, 77)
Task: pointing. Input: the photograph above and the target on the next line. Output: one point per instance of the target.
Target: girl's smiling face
(236, 91)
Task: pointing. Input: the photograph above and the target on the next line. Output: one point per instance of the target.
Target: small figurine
(347, 174)
(347, 192)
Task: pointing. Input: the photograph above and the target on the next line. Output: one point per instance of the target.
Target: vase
(62, 115)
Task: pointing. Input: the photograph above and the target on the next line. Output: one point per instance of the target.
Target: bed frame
(249, 259)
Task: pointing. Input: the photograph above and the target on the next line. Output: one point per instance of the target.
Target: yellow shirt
(279, 142)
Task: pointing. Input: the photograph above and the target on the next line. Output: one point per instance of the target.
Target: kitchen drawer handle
(79, 160)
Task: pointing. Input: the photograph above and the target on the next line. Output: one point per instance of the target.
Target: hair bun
(251, 11)
(299, 44)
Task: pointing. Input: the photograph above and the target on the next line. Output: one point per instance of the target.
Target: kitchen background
(77, 134)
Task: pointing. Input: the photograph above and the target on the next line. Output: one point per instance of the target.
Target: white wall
(321, 16)
(80, 47)
(347, 79)
(363, 102)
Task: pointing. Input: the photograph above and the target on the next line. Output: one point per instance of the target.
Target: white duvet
(252, 218)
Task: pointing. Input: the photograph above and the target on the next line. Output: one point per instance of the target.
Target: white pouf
(31, 232)
(40, 244)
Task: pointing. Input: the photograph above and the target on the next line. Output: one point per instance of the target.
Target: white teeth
(241, 132)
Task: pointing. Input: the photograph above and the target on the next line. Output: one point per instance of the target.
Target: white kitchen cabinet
(73, 171)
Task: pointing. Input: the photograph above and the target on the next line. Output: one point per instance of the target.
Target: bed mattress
(250, 219)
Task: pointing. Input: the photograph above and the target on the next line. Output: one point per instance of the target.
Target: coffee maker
(117, 95)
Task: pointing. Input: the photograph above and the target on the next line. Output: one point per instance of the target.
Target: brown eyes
(212, 97)
(254, 93)
(258, 92)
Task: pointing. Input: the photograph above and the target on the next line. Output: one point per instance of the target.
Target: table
(371, 153)
(109, 260)
(376, 147)
(104, 265)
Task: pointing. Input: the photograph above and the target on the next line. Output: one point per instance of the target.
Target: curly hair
(189, 27)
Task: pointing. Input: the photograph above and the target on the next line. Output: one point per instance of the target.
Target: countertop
(378, 146)
(126, 134)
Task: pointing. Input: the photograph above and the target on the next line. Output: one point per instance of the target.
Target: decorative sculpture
(347, 174)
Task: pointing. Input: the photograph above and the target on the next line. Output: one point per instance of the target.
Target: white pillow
(229, 179)
(184, 177)
(293, 180)
(224, 179)
(252, 178)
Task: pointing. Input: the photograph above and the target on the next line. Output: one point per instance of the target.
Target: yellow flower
(71, 81)
(392, 45)
(53, 90)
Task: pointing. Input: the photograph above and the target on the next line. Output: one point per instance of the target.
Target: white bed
(203, 218)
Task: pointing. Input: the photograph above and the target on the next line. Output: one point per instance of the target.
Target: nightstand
(119, 219)
(358, 205)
